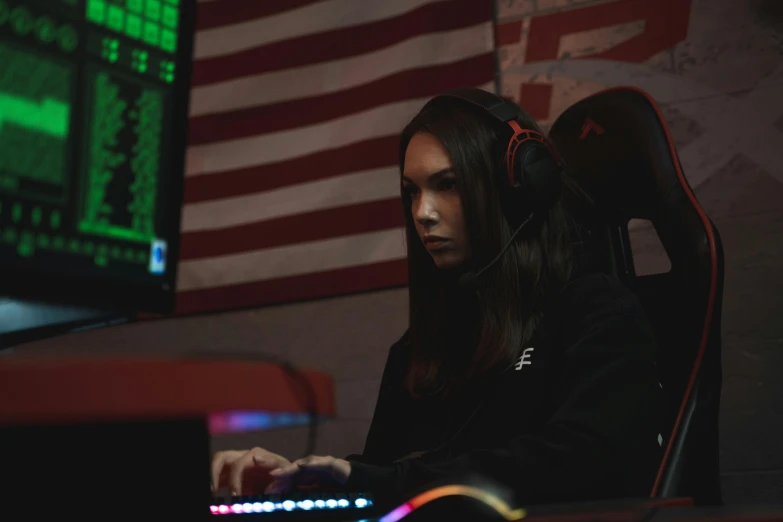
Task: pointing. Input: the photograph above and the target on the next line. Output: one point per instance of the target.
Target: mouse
(454, 502)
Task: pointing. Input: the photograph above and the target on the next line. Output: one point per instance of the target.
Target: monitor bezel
(115, 294)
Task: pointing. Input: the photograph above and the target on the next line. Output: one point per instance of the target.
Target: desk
(125, 436)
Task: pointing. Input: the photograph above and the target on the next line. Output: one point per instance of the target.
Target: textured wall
(716, 66)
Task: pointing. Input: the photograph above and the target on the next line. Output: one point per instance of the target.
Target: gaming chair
(618, 148)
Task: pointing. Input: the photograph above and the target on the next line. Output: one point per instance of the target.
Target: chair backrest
(618, 148)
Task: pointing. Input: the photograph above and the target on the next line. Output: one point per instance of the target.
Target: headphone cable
(293, 373)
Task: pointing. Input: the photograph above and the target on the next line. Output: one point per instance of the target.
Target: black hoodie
(578, 417)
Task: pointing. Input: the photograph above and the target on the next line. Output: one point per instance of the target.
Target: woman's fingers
(307, 471)
(220, 460)
(233, 467)
(276, 488)
(269, 460)
(238, 466)
(285, 471)
(237, 471)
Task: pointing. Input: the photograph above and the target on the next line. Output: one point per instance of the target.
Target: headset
(531, 182)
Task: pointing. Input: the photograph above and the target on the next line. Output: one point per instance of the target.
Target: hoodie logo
(525, 359)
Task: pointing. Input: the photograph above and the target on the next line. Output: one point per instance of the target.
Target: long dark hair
(503, 315)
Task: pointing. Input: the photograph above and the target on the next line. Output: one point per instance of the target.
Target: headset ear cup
(514, 193)
(537, 174)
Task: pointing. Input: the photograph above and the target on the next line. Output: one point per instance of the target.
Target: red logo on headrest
(590, 125)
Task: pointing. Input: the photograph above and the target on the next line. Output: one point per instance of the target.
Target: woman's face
(429, 181)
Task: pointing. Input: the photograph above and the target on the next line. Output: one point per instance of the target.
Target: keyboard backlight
(397, 514)
(288, 505)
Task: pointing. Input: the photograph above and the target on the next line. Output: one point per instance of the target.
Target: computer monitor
(94, 99)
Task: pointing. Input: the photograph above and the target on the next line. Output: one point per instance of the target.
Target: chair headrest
(618, 148)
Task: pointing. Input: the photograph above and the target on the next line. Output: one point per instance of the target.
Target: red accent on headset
(515, 141)
(522, 136)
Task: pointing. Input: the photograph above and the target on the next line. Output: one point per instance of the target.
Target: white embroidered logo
(525, 358)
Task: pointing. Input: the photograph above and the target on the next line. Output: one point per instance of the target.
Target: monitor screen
(93, 117)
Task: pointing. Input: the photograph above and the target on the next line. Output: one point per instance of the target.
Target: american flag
(292, 187)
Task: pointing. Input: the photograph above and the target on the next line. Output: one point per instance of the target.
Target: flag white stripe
(328, 77)
(286, 145)
(289, 144)
(309, 19)
(348, 189)
(292, 260)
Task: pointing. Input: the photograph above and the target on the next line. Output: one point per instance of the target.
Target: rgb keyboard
(314, 506)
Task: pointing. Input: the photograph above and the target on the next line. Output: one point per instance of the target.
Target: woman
(538, 375)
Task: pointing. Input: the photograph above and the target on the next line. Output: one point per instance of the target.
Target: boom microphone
(471, 280)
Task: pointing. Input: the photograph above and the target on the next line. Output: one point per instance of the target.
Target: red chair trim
(713, 283)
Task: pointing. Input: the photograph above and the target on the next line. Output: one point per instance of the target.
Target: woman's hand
(245, 471)
(309, 471)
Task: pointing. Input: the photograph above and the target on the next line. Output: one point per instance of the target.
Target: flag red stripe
(227, 12)
(299, 228)
(341, 43)
(308, 286)
(364, 155)
(406, 85)
(268, 115)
